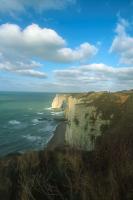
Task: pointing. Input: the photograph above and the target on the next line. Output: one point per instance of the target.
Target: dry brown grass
(69, 174)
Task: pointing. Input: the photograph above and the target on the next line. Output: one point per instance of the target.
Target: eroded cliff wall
(59, 101)
(89, 116)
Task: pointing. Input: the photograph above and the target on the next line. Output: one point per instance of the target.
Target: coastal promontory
(91, 115)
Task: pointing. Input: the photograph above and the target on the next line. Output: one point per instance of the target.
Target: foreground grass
(65, 173)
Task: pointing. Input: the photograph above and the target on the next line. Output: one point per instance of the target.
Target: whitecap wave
(50, 108)
(57, 113)
(14, 122)
(32, 138)
(35, 121)
(40, 113)
(48, 128)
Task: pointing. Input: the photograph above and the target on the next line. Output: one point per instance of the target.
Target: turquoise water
(26, 121)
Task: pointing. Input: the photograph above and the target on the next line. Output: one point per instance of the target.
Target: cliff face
(89, 116)
(59, 101)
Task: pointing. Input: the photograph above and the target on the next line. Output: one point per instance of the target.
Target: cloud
(32, 73)
(34, 41)
(123, 43)
(91, 77)
(37, 5)
(23, 69)
(83, 52)
(19, 47)
(95, 77)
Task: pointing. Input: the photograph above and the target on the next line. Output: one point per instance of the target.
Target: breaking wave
(14, 122)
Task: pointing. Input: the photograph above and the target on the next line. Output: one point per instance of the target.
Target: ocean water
(26, 121)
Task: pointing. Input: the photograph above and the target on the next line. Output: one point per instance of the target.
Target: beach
(58, 138)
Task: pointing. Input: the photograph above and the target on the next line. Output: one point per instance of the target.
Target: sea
(27, 121)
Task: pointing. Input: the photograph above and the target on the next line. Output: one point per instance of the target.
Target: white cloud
(32, 73)
(92, 77)
(83, 52)
(19, 47)
(95, 77)
(123, 43)
(26, 69)
(38, 5)
(34, 41)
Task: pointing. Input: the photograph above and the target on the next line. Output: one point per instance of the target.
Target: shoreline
(58, 138)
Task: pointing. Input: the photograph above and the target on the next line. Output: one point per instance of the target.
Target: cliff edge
(90, 115)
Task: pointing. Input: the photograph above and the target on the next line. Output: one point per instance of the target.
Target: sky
(66, 45)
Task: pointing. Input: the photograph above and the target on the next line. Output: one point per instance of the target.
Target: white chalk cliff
(88, 116)
(59, 101)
